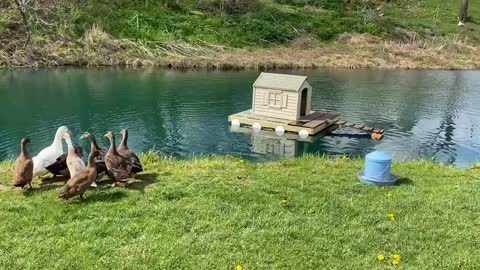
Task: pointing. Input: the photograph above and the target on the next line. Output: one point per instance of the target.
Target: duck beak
(69, 132)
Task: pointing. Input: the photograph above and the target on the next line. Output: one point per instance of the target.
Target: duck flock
(118, 163)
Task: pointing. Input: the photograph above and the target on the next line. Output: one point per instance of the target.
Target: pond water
(425, 114)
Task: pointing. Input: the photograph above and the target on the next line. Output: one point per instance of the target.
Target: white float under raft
(282, 103)
(312, 123)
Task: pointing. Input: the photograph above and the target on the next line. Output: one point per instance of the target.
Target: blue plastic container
(377, 170)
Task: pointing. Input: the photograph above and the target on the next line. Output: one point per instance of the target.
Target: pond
(425, 114)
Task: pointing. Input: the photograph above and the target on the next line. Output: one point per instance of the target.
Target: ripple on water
(424, 113)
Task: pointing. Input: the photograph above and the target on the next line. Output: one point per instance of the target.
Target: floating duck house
(283, 102)
(281, 96)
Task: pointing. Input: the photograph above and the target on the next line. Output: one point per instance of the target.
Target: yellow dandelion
(396, 256)
(381, 257)
(238, 267)
(389, 194)
(242, 161)
(395, 262)
(284, 201)
(391, 216)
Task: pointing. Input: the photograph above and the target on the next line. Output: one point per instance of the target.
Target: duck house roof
(280, 81)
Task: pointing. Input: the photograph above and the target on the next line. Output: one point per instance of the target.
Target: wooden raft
(312, 123)
(316, 119)
(321, 117)
(356, 126)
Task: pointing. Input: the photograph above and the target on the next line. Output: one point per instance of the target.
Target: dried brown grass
(97, 48)
(361, 51)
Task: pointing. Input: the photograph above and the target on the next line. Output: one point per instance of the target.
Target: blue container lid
(378, 156)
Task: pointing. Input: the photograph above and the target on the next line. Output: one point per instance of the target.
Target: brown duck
(59, 167)
(100, 159)
(78, 184)
(117, 165)
(23, 167)
(129, 154)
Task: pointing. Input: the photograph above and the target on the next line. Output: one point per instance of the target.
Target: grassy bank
(241, 34)
(216, 213)
(97, 48)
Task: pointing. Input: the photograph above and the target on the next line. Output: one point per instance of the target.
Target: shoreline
(358, 53)
(8, 163)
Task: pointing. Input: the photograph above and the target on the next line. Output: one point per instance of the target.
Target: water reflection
(268, 144)
(427, 114)
(274, 146)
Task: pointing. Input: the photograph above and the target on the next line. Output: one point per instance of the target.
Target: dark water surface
(426, 114)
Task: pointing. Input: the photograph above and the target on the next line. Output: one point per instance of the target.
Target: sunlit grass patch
(215, 212)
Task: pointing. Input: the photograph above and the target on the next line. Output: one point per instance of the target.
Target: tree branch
(21, 9)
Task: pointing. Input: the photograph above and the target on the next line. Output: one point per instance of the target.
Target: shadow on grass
(57, 182)
(145, 180)
(405, 181)
(30, 192)
(45, 184)
(471, 20)
(52, 180)
(90, 197)
(140, 182)
(105, 183)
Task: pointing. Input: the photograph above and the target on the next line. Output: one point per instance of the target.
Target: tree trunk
(22, 10)
(463, 12)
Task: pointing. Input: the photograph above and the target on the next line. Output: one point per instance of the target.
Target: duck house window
(275, 99)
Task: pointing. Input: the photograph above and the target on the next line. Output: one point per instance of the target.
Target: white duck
(75, 163)
(50, 154)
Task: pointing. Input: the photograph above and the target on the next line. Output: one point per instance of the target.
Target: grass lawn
(439, 16)
(219, 212)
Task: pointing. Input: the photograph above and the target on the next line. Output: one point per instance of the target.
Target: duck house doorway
(303, 103)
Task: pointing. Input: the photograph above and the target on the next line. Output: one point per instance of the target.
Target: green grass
(273, 22)
(156, 30)
(217, 212)
(435, 17)
(269, 25)
(4, 21)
